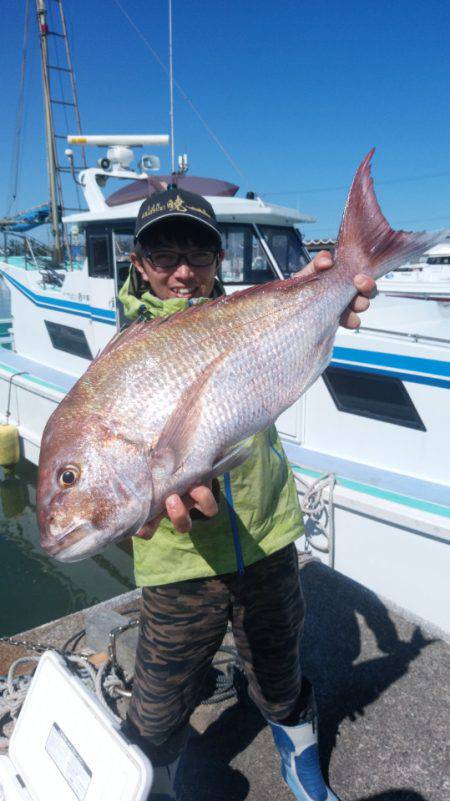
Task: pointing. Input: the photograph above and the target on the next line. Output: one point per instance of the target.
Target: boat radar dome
(119, 154)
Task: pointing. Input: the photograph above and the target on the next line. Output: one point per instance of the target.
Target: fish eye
(68, 476)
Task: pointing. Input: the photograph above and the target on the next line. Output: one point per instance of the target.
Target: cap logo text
(178, 205)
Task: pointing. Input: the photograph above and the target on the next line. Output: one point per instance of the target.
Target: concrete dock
(382, 686)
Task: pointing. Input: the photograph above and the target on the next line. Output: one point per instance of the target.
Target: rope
(223, 682)
(14, 689)
(320, 513)
(15, 163)
(10, 380)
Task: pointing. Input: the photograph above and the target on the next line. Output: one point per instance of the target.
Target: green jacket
(258, 514)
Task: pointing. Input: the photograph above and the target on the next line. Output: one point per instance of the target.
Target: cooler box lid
(66, 745)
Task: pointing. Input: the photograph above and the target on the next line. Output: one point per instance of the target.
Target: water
(34, 588)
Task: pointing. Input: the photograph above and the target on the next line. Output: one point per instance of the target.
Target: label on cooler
(68, 761)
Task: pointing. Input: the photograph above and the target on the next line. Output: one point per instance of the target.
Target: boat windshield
(247, 259)
(286, 246)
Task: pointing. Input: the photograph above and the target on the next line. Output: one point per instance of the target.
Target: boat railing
(403, 335)
(36, 255)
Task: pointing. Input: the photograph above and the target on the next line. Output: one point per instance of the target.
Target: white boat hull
(391, 527)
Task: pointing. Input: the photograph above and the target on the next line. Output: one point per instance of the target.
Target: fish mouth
(76, 543)
(84, 540)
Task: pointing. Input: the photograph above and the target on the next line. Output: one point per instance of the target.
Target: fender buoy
(9, 445)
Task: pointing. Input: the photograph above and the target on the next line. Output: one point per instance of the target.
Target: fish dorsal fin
(175, 439)
(366, 241)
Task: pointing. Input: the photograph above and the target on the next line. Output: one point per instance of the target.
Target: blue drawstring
(234, 524)
(283, 461)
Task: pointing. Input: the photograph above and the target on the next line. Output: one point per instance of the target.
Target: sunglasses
(170, 259)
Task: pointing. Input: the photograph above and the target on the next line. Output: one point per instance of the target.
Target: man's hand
(177, 510)
(364, 285)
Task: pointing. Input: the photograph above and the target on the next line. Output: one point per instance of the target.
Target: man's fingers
(365, 285)
(322, 260)
(178, 514)
(359, 304)
(177, 509)
(350, 320)
(366, 288)
(148, 529)
(204, 500)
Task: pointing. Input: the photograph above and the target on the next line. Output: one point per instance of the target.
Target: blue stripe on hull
(394, 360)
(68, 306)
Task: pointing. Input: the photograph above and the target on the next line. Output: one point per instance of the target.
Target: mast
(49, 130)
(58, 75)
(172, 124)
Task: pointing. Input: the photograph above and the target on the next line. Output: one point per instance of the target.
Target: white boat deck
(387, 480)
(36, 372)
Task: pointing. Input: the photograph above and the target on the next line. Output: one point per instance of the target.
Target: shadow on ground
(352, 652)
(394, 795)
(333, 641)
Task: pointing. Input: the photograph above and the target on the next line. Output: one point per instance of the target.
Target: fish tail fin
(366, 241)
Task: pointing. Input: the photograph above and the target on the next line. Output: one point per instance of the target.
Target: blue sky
(296, 92)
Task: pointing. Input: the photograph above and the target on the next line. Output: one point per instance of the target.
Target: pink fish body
(165, 404)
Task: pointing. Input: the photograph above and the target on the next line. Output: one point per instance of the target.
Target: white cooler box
(66, 746)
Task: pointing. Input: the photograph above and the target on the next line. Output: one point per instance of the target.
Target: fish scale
(168, 399)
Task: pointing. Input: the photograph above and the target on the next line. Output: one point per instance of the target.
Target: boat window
(438, 260)
(68, 339)
(286, 246)
(123, 246)
(245, 261)
(378, 397)
(99, 253)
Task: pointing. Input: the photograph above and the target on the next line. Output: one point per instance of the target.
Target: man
(236, 560)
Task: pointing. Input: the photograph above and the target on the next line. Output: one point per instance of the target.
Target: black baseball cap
(173, 203)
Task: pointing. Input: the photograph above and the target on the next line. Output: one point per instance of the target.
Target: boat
(428, 278)
(368, 442)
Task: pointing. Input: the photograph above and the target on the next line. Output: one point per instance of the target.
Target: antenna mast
(172, 132)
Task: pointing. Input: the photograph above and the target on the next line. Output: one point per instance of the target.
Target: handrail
(27, 247)
(31, 252)
(414, 337)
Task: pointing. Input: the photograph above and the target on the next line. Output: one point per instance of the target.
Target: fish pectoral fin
(233, 458)
(163, 460)
(175, 439)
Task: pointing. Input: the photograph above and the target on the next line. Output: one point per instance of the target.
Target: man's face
(185, 280)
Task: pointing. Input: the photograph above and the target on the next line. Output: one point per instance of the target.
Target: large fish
(165, 404)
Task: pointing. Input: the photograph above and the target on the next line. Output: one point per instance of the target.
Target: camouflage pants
(183, 625)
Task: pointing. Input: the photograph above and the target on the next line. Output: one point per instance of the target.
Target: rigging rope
(15, 162)
(183, 94)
